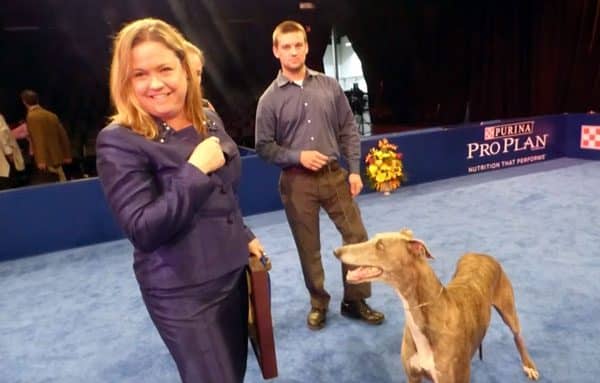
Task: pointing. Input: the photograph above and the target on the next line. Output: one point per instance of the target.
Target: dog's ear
(417, 247)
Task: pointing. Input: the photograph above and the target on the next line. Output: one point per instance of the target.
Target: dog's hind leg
(504, 303)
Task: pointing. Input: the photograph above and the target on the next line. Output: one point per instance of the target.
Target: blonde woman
(170, 173)
(196, 57)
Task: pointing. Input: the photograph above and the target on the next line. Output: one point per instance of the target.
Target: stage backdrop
(46, 218)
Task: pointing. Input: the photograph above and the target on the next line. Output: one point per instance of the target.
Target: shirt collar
(282, 80)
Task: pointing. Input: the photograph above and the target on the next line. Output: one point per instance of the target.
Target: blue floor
(77, 316)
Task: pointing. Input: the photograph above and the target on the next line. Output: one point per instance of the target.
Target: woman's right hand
(208, 156)
(256, 248)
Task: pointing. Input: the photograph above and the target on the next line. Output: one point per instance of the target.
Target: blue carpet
(76, 315)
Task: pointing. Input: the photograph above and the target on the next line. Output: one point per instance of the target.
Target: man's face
(291, 50)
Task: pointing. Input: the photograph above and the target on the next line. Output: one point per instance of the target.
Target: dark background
(426, 62)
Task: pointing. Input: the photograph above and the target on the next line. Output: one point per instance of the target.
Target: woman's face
(159, 81)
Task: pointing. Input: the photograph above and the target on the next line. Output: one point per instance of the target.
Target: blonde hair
(288, 26)
(128, 111)
(191, 49)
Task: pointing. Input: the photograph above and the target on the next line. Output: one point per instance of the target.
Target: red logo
(488, 133)
(590, 137)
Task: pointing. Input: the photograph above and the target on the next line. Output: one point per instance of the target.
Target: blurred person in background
(50, 143)
(197, 61)
(11, 158)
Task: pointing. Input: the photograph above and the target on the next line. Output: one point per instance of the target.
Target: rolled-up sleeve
(149, 216)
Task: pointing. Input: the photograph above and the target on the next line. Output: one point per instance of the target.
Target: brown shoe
(361, 310)
(316, 318)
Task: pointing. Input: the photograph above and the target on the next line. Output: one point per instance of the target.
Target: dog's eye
(379, 245)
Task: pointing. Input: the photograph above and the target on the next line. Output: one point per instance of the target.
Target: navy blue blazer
(186, 226)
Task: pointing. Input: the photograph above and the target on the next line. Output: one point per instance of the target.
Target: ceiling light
(305, 5)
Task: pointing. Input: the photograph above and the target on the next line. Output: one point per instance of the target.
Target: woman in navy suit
(170, 174)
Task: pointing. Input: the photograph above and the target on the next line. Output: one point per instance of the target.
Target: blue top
(313, 116)
(186, 226)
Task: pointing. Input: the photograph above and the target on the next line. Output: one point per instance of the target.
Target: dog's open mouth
(363, 273)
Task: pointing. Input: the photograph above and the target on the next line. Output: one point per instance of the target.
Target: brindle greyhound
(444, 326)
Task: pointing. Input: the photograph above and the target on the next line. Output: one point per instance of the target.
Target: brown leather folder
(260, 324)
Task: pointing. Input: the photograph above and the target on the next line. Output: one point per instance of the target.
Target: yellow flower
(384, 166)
(372, 170)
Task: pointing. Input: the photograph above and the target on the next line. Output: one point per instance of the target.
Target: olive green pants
(303, 193)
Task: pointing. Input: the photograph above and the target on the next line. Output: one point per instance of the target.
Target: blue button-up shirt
(316, 115)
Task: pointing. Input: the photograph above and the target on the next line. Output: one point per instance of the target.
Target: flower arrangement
(384, 167)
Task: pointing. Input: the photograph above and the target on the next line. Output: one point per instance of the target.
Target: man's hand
(42, 166)
(256, 248)
(356, 184)
(312, 159)
(67, 161)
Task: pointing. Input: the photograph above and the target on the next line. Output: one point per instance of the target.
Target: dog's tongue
(361, 273)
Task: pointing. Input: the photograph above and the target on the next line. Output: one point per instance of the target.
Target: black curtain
(441, 62)
(426, 62)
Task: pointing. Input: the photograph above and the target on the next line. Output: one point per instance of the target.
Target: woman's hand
(208, 155)
(256, 248)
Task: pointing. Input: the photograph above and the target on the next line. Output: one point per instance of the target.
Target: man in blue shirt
(304, 125)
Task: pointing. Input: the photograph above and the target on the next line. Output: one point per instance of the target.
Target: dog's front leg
(454, 374)
(408, 353)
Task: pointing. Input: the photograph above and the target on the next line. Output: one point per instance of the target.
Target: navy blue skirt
(205, 327)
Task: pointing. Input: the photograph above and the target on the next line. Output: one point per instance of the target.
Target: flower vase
(386, 188)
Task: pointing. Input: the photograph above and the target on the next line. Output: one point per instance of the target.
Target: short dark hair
(30, 97)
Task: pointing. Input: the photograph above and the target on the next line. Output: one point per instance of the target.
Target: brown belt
(331, 166)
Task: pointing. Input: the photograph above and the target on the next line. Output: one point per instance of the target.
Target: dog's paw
(531, 373)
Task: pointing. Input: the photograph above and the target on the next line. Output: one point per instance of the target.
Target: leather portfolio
(260, 324)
